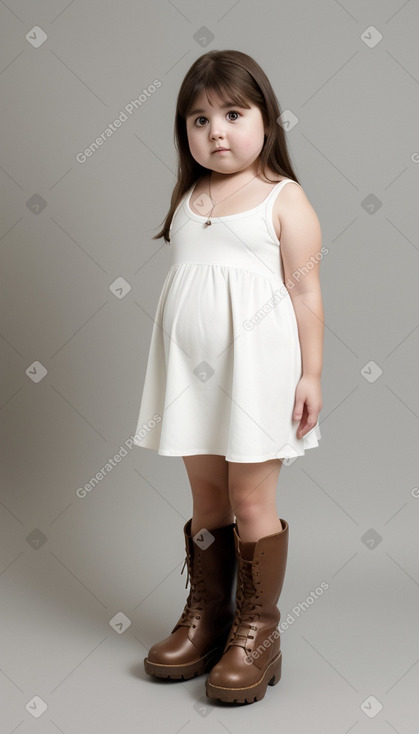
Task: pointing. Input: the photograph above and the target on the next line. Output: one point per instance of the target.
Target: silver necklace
(208, 222)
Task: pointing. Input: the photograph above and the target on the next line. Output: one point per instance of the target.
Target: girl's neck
(218, 180)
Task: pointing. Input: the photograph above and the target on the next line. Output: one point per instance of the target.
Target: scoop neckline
(200, 217)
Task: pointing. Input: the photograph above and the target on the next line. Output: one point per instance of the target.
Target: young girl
(233, 376)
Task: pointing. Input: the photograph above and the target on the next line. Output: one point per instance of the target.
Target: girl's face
(239, 130)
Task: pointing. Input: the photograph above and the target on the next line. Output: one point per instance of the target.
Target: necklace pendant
(208, 222)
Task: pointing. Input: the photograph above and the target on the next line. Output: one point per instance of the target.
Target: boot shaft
(212, 570)
(268, 563)
(215, 560)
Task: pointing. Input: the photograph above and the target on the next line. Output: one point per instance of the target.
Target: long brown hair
(235, 76)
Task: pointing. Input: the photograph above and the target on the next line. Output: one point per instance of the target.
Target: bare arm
(301, 243)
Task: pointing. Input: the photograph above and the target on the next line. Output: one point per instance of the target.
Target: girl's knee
(246, 504)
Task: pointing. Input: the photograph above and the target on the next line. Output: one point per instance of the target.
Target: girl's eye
(232, 112)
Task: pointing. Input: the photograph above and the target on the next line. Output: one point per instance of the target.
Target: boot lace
(246, 606)
(193, 603)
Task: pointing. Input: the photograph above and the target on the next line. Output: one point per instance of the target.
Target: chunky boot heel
(277, 672)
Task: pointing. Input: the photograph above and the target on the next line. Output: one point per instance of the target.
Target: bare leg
(208, 476)
(252, 492)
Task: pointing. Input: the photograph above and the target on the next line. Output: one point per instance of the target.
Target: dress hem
(220, 452)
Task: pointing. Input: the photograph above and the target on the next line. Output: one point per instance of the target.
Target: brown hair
(235, 76)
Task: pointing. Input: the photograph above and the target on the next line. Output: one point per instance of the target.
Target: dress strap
(269, 205)
(182, 200)
(276, 189)
(274, 193)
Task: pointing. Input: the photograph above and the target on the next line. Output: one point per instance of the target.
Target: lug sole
(248, 694)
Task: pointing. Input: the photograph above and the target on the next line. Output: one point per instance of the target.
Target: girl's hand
(308, 403)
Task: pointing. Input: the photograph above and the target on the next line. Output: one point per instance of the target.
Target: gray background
(70, 566)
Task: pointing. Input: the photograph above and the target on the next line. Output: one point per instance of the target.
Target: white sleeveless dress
(224, 358)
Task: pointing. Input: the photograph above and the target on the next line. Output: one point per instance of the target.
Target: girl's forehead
(210, 98)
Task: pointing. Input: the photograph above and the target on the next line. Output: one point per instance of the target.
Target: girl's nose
(216, 130)
(216, 133)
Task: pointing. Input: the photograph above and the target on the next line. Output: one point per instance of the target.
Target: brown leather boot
(199, 636)
(252, 656)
